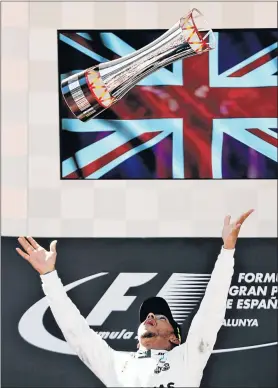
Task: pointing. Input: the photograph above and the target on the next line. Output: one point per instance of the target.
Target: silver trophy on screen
(97, 88)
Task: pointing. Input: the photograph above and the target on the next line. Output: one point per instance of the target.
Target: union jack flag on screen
(212, 116)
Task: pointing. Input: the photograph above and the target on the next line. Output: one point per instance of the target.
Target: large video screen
(209, 116)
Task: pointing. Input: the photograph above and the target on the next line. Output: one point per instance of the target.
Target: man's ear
(174, 340)
(138, 345)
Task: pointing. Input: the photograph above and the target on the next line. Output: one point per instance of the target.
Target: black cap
(158, 305)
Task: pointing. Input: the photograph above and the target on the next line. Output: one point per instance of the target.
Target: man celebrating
(161, 360)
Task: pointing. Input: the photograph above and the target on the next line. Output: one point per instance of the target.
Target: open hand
(41, 260)
(230, 230)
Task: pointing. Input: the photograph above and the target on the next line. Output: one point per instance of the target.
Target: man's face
(156, 332)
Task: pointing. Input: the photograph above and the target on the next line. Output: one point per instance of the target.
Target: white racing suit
(181, 367)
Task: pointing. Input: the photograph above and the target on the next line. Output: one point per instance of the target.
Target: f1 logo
(178, 287)
(115, 299)
(182, 292)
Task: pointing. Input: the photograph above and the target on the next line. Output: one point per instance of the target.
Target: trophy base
(86, 95)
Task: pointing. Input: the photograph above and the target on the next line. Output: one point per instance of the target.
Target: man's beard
(148, 334)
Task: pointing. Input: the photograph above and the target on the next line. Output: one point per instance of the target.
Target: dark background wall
(26, 365)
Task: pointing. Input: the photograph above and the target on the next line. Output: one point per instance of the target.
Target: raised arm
(88, 345)
(209, 318)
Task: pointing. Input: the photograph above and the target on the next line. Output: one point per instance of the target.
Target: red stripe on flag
(264, 136)
(257, 63)
(112, 155)
(72, 175)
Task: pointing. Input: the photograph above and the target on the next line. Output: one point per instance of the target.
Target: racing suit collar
(151, 353)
